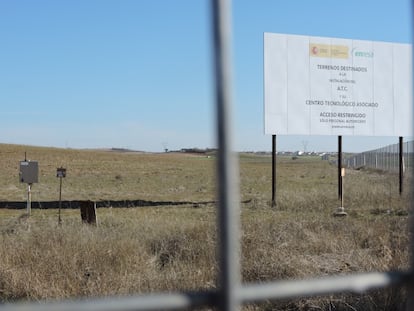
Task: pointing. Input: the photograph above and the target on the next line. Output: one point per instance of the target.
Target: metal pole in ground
(339, 167)
(60, 200)
(60, 173)
(227, 164)
(401, 166)
(273, 170)
(29, 199)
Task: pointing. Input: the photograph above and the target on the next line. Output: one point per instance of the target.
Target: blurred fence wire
(230, 294)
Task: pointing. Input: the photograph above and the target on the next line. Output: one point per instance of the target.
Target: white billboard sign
(332, 86)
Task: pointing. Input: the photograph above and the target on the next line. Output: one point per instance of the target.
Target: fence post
(339, 167)
(273, 170)
(228, 213)
(400, 158)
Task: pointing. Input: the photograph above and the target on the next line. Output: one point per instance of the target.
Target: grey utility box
(29, 172)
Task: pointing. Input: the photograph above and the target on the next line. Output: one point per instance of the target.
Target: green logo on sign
(368, 54)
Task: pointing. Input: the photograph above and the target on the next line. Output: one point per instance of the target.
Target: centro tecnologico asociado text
(341, 103)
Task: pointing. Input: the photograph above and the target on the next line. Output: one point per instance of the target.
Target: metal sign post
(60, 173)
(273, 170)
(29, 199)
(339, 167)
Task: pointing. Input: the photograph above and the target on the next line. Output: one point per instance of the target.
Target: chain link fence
(385, 158)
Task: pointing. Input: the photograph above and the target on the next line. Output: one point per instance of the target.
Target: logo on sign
(328, 51)
(359, 53)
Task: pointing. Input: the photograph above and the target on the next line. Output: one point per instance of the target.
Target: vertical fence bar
(400, 164)
(339, 167)
(406, 160)
(380, 159)
(228, 214)
(389, 150)
(273, 170)
(386, 158)
(410, 291)
(395, 157)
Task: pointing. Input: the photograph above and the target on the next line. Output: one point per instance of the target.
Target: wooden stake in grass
(88, 212)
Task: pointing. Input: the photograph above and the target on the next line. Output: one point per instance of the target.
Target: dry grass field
(172, 247)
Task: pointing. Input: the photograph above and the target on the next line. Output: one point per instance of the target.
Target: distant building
(325, 156)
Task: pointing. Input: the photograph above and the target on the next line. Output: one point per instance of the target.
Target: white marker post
(341, 210)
